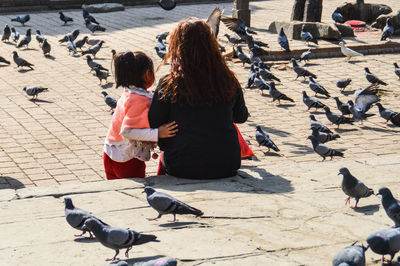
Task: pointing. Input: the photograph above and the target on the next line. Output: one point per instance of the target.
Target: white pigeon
(349, 53)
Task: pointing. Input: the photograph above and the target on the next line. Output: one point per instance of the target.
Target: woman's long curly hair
(198, 72)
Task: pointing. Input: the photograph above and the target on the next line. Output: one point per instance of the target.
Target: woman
(204, 98)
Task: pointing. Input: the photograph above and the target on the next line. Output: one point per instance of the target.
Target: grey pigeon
(22, 19)
(337, 119)
(92, 41)
(46, 48)
(161, 48)
(261, 84)
(323, 150)
(167, 4)
(34, 91)
(93, 27)
(305, 56)
(213, 20)
(234, 39)
(242, 56)
(65, 18)
(92, 64)
(372, 78)
(14, 35)
(110, 101)
(26, 40)
(20, 61)
(283, 41)
(353, 187)
(263, 139)
(388, 30)
(322, 136)
(71, 47)
(3, 60)
(101, 74)
(314, 123)
(266, 74)
(307, 36)
(277, 95)
(93, 50)
(337, 16)
(396, 70)
(239, 27)
(391, 205)
(116, 238)
(80, 43)
(385, 241)
(353, 255)
(358, 112)
(343, 83)
(39, 37)
(396, 120)
(342, 107)
(252, 76)
(166, 204)
(311, 102)
(386, 113)
(70, 36)
(6, 34)
(317, 88)
(300, 71)
(87, 16)
(256, 49)
(365, 98)
(76, 217)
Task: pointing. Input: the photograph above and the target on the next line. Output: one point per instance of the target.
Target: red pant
(115, 170)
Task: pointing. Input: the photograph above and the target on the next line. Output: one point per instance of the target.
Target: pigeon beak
(338, 174)
(377, 194)
(143, 191)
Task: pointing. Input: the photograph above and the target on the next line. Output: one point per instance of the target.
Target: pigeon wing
(118, 236)
(214, 20)
(362, 191)
(161, 201)
(365, 98)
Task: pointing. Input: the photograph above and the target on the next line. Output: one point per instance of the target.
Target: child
(129, 139)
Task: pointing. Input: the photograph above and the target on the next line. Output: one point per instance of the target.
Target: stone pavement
(53, 147)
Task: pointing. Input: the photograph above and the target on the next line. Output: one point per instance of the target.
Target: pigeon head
(24, 89)
(272, 84)
(68, 203)
(149, 190)
(378, 243)
(304, 94)
(341, 43)
(281, 32)
(312, 117)
(366, 69)
(379, 106)
(104, 93)
(395, 65)
(38, 32)
(88, 57)
(61, 13)
(303, 27)
(388, 22)
(12, 29)
(385, 192)
(92, 224)
(336, 98)
(311, 78)
(350, 102)
(113, 52)
(327, 109)
(15, 53)
(343, 171)
(258, 128)
(28, 32)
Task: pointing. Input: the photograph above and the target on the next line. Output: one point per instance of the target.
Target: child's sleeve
(140, 134)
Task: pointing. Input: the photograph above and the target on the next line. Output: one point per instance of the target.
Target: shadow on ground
(11, 183)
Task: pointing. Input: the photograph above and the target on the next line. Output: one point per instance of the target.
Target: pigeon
(65, 18)
(71, 47)
(242, 56)
(252, 76)
(92, 64)
(239, 27)
(233, 39)
(116, 238)
(101, 74)
(93, 50)
(349, 53)
(161, 48)
(166, 204)
(391, 205)
(39, 37)
(46, 47)
(164, 35)
(396, 120)
(76, 217)
(213, 20)
(87, 16)
(283, 41)
(385, 241)
(385, 113)
(311, 102)
(93, 26)
(353, 187)
(337, 119)
(34, 91)
(266, 74)
(388, 30)
(317, 88)
(322, 136)
(342, 107)
(358, 112)
(22, 19)
(20, 61)
(305, 56)
(263, 139)
(256, 52)
(337, 17)
(254, 58)
(92, 41)
(307, 36)
(261, 84)
(14, 35)
(70, 36)
(6, 34)
(396, 70)
(277, 95)
(26, 40)
(300, 71)
(167, 4)
(80, 43)
(365, 98)
(343, 83)
(374, 80)
(110, 101)
(323, 150)
(353, 255)
(314, 123)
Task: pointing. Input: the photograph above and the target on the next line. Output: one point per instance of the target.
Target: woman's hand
(168, 130)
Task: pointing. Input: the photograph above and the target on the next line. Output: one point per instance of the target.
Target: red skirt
(116, 170)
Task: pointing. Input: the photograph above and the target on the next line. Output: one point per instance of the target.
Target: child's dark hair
(129, 68)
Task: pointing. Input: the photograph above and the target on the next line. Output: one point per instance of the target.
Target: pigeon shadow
(107, 86)
(10, 43)
(40, 101)
(355, 61)
(177, 224)
(381, 130)
(346, 93)
(4, 65)
(270, 153)
(21, 70)
(273, 131)
(368, 209)
(311, 64)
(343, 130)
(301, 149)
(30, 49)
(138, 260)
(85, 240)
(317, 112)
(50, 57)
(286, 106)
(12, 182)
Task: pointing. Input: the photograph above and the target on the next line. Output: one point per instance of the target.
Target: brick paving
(59, 139)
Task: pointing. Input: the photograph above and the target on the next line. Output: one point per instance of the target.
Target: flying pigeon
(110, 101)
(263, 139)
(305, 56)
(14, 35)
(277, 95)
(317, 88)
(388, 30)
(233, 39)
(70, 36)
(391, 205)
(300, 71)
(101, 74)
(46, 47)
(93, 26)
(353, 187)
(20, 61)
(116, 238)
(386, 113)
(242, 56)
(337, 119)
(314, 123)
(213, 20)
(385, 241)
(349, 53)
(283, 41)
(166, 204)
(80, 43)
(323, 150)
(311, 102)
(363, 102)
(307, 36)
(26, 40)
(239, 27)
(87, 16)
(342, 107)
(22, 19)
(92, 64)
(322, 136)
(353, 255)
(167, 4)
(374, 80)
(343, 83)
(337, 17)
(34, 91)
(358, 112)
(93, 50)
(6, 33)
(65, 18)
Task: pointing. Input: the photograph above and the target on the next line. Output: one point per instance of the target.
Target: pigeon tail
(186, 209)
(145, 238)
